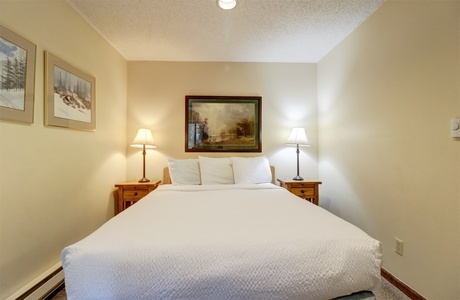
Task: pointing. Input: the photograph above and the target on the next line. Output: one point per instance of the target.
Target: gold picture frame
(70, 95)
(223, 123)
(17, 82)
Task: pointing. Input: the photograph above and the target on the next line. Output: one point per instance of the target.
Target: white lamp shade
(227, 4)
(143, 137)
(298, 137)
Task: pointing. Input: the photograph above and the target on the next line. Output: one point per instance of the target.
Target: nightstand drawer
(130, 192)
(131, 195)
(303, 191)
(306, 189)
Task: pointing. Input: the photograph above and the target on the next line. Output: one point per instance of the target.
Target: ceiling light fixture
(227, 4)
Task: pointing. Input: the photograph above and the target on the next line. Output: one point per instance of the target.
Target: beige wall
(56, 184)
(156, 100)
(386, 96)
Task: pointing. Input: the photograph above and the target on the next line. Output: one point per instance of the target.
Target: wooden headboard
(167, 178)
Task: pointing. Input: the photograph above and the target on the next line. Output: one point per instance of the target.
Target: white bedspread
(222, 242)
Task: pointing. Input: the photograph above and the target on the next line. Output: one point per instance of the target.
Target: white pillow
(216, 170)
(251, 170)
(184, 171)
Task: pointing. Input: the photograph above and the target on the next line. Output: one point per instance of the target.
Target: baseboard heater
(43, 286)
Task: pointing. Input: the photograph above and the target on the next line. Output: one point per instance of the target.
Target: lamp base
(144, 180)
(297, 178)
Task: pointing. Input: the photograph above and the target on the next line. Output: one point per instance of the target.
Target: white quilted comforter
(222, 242)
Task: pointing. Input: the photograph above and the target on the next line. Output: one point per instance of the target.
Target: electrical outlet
(455, 128)
(399, 247)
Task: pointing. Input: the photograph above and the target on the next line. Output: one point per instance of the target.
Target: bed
(219, 241)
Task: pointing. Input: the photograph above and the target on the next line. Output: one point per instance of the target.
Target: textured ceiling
(198, 30)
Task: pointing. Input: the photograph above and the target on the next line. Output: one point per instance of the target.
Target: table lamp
(299, 138)
(144, 140)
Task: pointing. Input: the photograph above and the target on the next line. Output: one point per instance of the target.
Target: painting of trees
(222, 123)
(17, 77)
(13, 75)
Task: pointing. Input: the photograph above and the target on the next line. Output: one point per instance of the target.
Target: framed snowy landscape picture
(17, 77)
(70, 95)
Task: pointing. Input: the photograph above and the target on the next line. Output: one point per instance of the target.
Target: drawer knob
(135, 193)
(302, 191)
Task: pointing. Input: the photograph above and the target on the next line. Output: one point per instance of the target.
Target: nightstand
(130, 192)
(306, 189)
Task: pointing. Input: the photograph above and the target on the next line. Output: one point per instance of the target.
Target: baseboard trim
(45, 287)
(401, 285)
(53, 292)
(42, 286)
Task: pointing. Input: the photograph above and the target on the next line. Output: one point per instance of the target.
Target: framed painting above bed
(223, 124)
